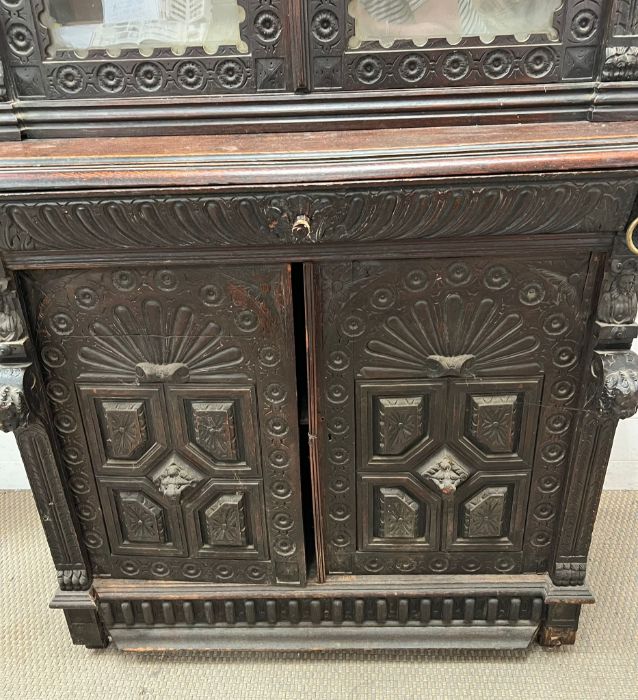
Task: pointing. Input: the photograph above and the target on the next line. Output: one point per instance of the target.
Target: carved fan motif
(162, 344)
(455, 338)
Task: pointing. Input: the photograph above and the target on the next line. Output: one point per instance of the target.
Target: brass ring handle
(301, 227)
(631, 230)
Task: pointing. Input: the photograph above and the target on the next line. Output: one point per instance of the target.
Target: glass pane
(387, 21)
(81, 25)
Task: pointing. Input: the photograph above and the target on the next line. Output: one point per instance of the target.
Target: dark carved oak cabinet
(316, 315)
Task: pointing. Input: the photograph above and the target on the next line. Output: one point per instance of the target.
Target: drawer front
(446, 391)
(482, 207)
(174, 400)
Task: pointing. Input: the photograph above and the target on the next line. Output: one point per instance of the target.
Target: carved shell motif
(454, 338)
(164, 344)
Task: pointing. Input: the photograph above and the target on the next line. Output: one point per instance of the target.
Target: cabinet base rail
(465, 612)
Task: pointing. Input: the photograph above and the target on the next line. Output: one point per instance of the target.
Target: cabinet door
(407, 44)
(445, 391)
(173, 396)
(109, 49)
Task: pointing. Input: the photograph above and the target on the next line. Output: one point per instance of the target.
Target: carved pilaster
(610, 395)
(23, 411)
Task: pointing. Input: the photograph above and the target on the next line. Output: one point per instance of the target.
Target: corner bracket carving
(618, 393)
(13, 406)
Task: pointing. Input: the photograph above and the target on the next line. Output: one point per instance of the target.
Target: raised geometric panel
(226, 521)
(484, 513)
(125, 434)
(126, 427)
(494, 422)
(487, 512)
(141, 518)
(398, 514)
(214, 429)
(395, 512)
(399, 424)
(173, 476)
(445, 470)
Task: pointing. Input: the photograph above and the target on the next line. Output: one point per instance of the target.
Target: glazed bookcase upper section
(195, 66)
(60, 49)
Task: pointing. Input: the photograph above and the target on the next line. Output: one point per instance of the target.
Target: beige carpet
(37, 659)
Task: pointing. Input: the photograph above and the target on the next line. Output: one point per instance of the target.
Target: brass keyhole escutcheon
(631, 230)
(302, 227)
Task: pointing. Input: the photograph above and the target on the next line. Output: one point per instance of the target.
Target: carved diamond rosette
(446, 471)
(174, 476)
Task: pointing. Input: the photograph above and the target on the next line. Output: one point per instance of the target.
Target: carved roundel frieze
(230, 74)
(584, 25)
(61, 323)
(20, 39)
(338, 361)
(558, 423)
(269, 356)
(539, 62)
(190, 75)
(86, 298)
(416, 280)
(565, 356)
(497, 277)
(70, 79)
(148, 76)
(369, 70)
(498, 64)
(267, 26)
(110, 78)
(413, 68)
(277, 426)
(211, 295)
(124, 280)
(382, 298)
(325, 25)
(458, 273)
(353, 326)
(532, 293)
(548, 483)
(456, 65)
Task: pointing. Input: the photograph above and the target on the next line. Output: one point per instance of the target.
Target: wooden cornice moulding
(316, 157)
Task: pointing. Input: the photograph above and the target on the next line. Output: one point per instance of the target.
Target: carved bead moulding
(568, 52)
(448, 398)
(39, 70)
(484, 208)
(152, 376)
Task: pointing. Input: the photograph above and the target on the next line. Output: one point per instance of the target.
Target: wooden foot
(82, 618)
(560, 626)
